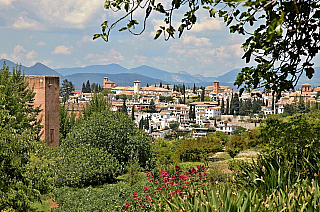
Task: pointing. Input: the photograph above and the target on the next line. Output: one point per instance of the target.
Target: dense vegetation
(102, 154)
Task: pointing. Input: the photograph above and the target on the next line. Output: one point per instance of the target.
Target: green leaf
(148, 11)
(158, 33)
(96, 36)
(123, 28)
(309, 72)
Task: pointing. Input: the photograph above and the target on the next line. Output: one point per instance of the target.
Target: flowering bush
(181, 184)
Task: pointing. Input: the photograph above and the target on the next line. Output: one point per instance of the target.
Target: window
(51, 139)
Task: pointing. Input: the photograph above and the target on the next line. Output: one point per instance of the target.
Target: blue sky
(59, 34)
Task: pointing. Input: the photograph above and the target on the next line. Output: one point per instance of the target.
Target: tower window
(51, 135)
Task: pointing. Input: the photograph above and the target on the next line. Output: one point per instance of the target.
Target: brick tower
(46, 89)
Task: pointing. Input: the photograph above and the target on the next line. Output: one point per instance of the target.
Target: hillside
(123, 79)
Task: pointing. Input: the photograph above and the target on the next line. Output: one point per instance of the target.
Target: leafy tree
(256, 106)
(174, 125)
(97, 104)
(278, 34)
(152, 107)
(100, 147)
(25, 171)
(66, 89)
(66, 121)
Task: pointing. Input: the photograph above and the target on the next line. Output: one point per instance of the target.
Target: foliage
(25, 171)
(66, 121)
(152, 107)
(16, 102)
(105, 198)
(279, 33)
(295, 135)
(97, 104)
(198, 149)
(121, 96)
(101, 146)
(174, 125)
(66, 89)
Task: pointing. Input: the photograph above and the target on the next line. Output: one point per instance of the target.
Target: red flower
(148, 173)
(177, 168)
(127, 206)
(135, 194)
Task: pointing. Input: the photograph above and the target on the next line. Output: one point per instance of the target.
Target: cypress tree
(124, 107)
(83, 88)
(147, 85)
(227, 107)
(202, 95)
(160, 84)
(190, 112)
(88, 87)
(132, 113)
(222, 106)
(141, 123)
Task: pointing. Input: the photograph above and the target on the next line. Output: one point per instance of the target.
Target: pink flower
(134, 194)
(177, 168)
(148, 173)
(127, 206)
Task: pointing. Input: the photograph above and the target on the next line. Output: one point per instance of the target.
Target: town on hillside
(163, 109)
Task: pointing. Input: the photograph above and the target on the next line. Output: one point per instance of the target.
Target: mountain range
(146, 74)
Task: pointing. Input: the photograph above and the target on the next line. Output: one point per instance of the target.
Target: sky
(59, 34)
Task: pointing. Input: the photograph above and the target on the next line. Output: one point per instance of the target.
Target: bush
(101, 146)
(198, 149)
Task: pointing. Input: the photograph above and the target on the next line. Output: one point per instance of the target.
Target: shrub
(198, 149)
(100, 147)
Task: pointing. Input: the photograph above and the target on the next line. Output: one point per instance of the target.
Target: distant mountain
(123, 79)
(40, 69)
(172, 78)
(146, 74)
(105, 69)
(37, 69)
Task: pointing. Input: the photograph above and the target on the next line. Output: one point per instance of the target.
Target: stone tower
(46, 89)
(216, 87)
(136, 86)
(306, 91)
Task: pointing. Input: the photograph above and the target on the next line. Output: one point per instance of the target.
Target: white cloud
(194, 41)
(111, 56)
(61, 13)
(40, 43)
(4, 56)
(31, 55)
(26, 23)
(141, 59)
(206, 25)
(86, 39)
(62, 50)
(17, 49)
(6, 2)
(47, 62)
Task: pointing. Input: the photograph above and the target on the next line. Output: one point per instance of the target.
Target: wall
(46, 89)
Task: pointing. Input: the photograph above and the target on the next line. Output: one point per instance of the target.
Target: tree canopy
(282, 36)
(25, 171)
